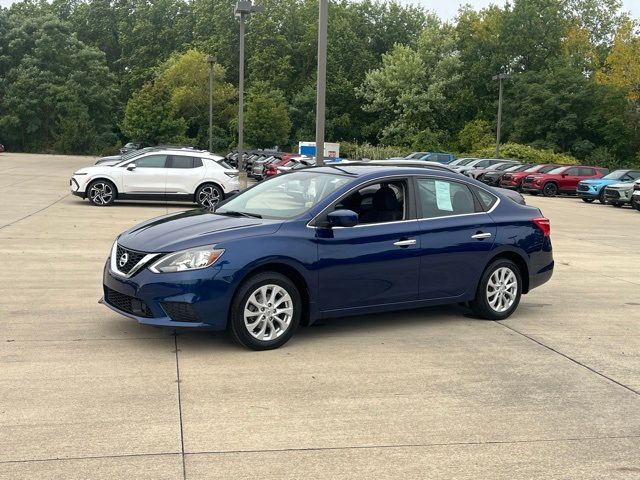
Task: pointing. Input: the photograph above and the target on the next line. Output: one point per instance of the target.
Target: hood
(598, 181)
(108, 163)
(621, 185)
(110, 158)
(192, 228)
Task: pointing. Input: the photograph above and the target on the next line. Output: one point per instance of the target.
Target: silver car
(617, 194)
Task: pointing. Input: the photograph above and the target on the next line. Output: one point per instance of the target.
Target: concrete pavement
(550, 393)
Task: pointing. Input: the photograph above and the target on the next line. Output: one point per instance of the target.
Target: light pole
(500, 77)
(321, 88)
(243, 9)
(211, 60)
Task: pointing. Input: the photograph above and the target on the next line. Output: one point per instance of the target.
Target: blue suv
(590, 190)
(328, 242)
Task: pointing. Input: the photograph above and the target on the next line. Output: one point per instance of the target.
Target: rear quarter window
(487, 200)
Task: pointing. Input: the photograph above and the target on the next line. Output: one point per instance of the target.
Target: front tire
(101, 193)
(550, 190)
(616, 204)
(601, 198)
(499, 291)
(588, 200)
(209, 195)
(265, 312)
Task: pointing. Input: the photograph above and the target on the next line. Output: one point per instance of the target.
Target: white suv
(182, 175)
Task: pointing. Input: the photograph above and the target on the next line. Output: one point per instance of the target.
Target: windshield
(415, 156)
(284, 196)
(135, 153)
(463, 161)
(557, 170)
(505, 166)
(616, 175)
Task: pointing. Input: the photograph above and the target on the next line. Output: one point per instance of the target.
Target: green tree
(475, 135)
(150, 117)
(49, 79)
(267, 118)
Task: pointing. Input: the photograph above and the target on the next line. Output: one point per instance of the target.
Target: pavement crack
(34, 213)
(577, 362)
(417, 445)
(177, 351)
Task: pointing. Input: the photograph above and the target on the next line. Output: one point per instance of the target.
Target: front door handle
(404, 243)
(480, 236)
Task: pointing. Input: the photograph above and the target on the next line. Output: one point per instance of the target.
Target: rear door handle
(480, 236)
(404, 243)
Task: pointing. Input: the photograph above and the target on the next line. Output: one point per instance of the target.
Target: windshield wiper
(233, 213)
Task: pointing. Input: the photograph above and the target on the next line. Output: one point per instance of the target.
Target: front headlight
(192, 259)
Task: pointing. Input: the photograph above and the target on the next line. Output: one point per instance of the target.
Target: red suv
(513, 180)
(560, 180)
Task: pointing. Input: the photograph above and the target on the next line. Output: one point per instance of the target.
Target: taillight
(543, 224)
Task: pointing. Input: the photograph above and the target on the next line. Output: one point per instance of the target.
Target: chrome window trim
(416, 177)
(136, 267)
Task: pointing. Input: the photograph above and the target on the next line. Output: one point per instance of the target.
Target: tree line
(81, 76)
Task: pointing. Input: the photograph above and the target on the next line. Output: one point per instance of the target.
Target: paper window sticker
(443, 196)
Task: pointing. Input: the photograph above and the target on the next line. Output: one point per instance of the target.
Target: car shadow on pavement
(439, 319)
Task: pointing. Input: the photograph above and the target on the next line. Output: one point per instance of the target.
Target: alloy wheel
(268, 312)
(101, 193)
(502, 289)
(209, 196)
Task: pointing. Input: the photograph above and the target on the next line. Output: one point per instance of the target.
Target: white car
(179, 175)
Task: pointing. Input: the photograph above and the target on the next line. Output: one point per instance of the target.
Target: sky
(446, 9)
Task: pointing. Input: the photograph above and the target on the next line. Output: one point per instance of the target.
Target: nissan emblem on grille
(123, 259)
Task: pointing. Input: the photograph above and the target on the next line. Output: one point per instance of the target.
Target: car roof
(373, 170)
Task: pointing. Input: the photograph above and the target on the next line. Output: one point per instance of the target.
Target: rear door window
(444, 198)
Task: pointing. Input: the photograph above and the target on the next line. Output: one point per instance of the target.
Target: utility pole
(500, 77)
(321, 89)
(211, 60)
(243, 9)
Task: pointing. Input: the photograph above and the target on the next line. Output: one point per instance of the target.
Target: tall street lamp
(500, 77)
(243, 9)
(321, 88)
(211, 60)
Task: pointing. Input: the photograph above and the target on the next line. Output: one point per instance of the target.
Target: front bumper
(205, 293)
(617, 196)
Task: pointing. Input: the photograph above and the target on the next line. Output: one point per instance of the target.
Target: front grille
(612, 193)
(583, 188)
(127, 304)
(180, 311)
(133, 258)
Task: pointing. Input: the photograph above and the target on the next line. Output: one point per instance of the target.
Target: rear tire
(499, 291)
(265, 312)
(588, 200)
(101, 193)
(550, 190)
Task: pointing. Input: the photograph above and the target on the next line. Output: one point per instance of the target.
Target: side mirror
(131, 166)
(342, 218)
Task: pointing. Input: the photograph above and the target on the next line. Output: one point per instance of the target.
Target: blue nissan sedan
(329, 242)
